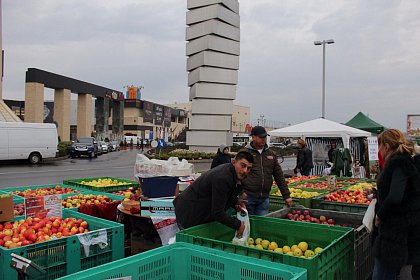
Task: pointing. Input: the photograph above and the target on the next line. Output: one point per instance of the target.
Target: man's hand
(240, 205)
(295, 170)
(241, 202)
(241, 230)
(289, 201)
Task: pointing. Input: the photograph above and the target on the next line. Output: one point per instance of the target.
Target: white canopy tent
(320, 128)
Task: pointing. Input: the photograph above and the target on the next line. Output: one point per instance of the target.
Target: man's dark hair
(244, 155)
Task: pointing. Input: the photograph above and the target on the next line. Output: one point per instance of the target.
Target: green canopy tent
(363, 122)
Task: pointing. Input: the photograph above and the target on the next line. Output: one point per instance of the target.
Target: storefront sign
(166, 116)
(158, 114)
(147, 111)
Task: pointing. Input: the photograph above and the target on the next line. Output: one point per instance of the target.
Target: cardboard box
(162, 207)
(6, 209)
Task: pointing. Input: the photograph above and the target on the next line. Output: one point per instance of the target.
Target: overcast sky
(373, 67)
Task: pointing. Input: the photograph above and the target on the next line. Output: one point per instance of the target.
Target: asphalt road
(116, 164)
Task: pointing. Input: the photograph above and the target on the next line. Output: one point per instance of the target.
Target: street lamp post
(323, 43)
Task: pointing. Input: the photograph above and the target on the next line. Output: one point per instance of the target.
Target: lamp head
(317, 43)
(330, 41)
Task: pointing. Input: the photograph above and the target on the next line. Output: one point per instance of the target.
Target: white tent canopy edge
(321, 128)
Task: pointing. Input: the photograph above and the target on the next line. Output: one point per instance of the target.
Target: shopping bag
(243, 217)
(368, 218)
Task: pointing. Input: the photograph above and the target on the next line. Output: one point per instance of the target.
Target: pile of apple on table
(306, 216)
(356, 194)
(85, 199)
(35, 230)
(297, 179)
(44, 191)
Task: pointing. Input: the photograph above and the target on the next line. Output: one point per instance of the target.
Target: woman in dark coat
(222, 156)
(397, 219)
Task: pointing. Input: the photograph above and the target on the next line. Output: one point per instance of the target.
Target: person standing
(141, 145)
(214, 192)
(330, 152)
(222, 156)
(304, 162)
(396, 236)
(259, 181)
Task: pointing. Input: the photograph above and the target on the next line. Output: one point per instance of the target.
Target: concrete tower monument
(213, 61)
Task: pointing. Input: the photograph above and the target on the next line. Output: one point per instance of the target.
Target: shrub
(64, 149)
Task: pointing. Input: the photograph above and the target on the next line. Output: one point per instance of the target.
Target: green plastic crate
(277, 202)
(181, 261)
(22, 188)
(319, 203)
(363, 257)
(77, 182)
(63, 256)
(336, 261)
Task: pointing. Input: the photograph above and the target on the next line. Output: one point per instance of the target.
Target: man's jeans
(383, 272)
(257, 206)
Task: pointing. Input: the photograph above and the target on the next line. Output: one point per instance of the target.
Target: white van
(134, 138)
(31, 141)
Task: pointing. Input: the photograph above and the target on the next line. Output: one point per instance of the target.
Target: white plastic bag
(243, 217)
(97, 237)
(369, 216)
(147, 168)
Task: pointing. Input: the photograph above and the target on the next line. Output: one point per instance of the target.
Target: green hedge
(63, 148)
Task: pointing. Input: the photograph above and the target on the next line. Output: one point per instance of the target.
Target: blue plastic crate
(162, 186)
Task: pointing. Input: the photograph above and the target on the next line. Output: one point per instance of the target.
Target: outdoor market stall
(319, 133)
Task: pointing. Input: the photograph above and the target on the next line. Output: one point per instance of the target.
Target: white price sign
(373, 148)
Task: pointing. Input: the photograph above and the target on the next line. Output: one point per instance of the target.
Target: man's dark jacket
(259, 181)
(397, 240)
(208, 198)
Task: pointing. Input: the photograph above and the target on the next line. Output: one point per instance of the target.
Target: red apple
(74, 230)
(331, 221)
(32, 237)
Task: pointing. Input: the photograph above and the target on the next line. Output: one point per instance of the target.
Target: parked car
(87, 146)
(104, 146)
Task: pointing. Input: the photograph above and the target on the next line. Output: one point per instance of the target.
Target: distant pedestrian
(222, 156)
(141, 145)
(304, 162)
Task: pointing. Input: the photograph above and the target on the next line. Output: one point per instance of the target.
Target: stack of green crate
(181, 261)
(335, 261)
(63, 256)
(110, 188)
(363, 257)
